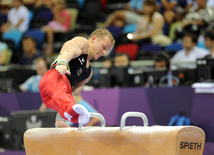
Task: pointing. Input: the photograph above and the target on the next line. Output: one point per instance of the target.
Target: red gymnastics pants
(55, 91)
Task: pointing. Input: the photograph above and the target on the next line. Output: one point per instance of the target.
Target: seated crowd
(182, 30)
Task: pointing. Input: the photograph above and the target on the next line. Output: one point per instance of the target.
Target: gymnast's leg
(55, 91)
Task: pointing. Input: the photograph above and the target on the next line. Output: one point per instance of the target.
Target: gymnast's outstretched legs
(56, 94)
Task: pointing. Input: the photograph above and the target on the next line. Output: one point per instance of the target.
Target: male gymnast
(70, 72)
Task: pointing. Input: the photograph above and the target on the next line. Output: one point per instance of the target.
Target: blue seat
(174, 47)
(130, 28)
(166, 29)
(38, 35)
(31, 14)
(153, 48)
(81, 4)
(3, 18)
(115, 30)
(14, 35)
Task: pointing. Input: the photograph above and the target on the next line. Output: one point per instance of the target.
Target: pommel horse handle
(98, 115)
(132, 114)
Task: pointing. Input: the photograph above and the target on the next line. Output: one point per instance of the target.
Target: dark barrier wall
(159, 104)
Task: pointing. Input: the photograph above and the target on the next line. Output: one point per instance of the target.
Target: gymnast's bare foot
(61, 124)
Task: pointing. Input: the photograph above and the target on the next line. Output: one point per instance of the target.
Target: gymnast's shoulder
(79, 42)
(78, 39)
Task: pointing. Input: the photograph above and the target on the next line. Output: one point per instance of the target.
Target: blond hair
(101, 33)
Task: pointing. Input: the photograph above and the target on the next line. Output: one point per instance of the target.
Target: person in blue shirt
(32, 83)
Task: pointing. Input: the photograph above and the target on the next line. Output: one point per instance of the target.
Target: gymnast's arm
(70, 50)
(76, 90)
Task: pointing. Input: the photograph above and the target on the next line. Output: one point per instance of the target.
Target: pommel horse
(123, 140)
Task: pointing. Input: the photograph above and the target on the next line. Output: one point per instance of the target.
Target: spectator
(3, 52)
(189, 52)
(201, 16)
(162, 60)
(209, 42)
(39, 3)
(150, 25)
(18, 18)
(60, 23)
(108, 63)
(129, 15)
(32, 84)
(166, 8)
(194, 3)
(5, 6)
(181, 9)
(173, 10)
(122, 60)
(31, 53)
(79, 100)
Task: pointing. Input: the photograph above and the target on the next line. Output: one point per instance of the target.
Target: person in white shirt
(150, 26)
(189, 52)
(193, 3)
(18, 18)
(209, 42)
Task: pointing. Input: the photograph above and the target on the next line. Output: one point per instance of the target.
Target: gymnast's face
(99, 46)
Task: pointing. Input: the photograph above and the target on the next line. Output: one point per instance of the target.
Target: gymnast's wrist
(61, 63)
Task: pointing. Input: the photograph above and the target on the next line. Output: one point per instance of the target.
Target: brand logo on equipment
(81, 61)
(190, 145)
(33, 122)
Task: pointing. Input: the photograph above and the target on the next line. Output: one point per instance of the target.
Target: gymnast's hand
(62, 69)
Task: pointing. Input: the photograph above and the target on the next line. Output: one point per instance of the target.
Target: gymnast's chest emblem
(81, 60)
(79, 72)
